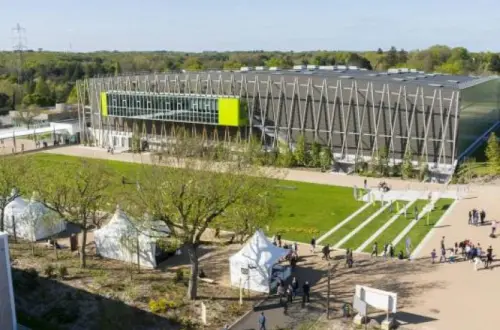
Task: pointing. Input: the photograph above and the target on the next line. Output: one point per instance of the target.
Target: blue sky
(197, 25)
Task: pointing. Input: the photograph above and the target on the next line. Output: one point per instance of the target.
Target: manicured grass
(310, 210)
(361, 236)
(351, 225)
(398, 226)
(421, 229)
(306, 210)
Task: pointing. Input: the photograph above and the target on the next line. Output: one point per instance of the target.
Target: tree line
(46, 78)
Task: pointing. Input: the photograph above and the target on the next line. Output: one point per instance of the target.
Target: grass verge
(361, 236)
(352, 224)
(398, 226)
(421, 229)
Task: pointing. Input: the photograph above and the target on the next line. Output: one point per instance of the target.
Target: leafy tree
(301, 152)
(73, 96)
(193, 64)
(4, 101)
(315, 154)
(190, 195)
(232, 65)
(403, 56)
(407, 166)
(380, 51)
(492, 153)
(14, 174)
(28, 115)
(392, 57)
(326, 158)
(118, 68)
(76, 193)
(285, 156)
(494, 64)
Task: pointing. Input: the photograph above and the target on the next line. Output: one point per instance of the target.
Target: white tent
(32, 221)
(252, 267)
(119, 240)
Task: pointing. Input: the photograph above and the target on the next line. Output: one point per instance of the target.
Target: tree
(76, 193)
(28, 115)
(391, 58)
(193, 64)
(494, 64)
(301, 153)
(407, 166)
(14, 174)
(492, 153)
(380, 51)
(4, 101)
(326, 158)
(118, 68)
(285, 156)
(73, 96)
(403, 56)
(191, 195)
(315, 154)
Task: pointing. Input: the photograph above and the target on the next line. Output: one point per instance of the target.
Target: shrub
(49, 270)
(234, 309)
(179, 275)
(62, 271)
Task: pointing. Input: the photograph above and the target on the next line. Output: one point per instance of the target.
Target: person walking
(365, 184)
(470, 217)
(442, 243)
(433, 255)
(489, 256)
(289, 294)
(385, 250)
(391, 250)
(262, 321)
(281, 292)
(295, 287)
(306, 289)
(494, 224)
(482, 216)
(313, 245)
(374, 250)
(442, 258)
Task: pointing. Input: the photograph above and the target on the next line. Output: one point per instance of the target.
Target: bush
(234, 309)
(62, 271)
(179, 275)
(49, 270)
(161, 305)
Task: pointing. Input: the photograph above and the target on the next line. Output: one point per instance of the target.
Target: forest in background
(47, 78)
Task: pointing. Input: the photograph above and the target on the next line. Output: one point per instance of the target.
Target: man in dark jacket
(306, 289)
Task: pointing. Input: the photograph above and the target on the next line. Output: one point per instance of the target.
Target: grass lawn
(361, 236)
(421, 229)
(305, 209)
(310, 210)
(398, 226)
(351, 225)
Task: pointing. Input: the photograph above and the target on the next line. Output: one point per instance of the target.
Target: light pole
(328, 292)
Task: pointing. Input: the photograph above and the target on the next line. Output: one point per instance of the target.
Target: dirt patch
(112, 295)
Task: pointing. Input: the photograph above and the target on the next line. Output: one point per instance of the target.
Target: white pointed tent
(119, 240)
(32, 221)
(252, 266)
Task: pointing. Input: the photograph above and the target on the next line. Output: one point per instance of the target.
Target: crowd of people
(467, 250)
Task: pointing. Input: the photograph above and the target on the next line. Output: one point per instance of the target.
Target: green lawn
(361, 236)
(397, 226)
(421, 229)
(305, 209)
(351, 225)
(310, 210)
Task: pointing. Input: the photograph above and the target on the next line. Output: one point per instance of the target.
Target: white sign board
(382, 300)
(359, 306)
(7, 308)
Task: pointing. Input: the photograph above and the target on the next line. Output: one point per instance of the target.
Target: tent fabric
(119, 240)
(258, 256)
(32, 220)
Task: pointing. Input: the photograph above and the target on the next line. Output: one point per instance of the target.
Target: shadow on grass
(45, 303)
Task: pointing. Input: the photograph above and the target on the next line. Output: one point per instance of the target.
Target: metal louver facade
(355, 116)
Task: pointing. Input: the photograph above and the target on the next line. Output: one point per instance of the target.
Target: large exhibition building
(355, 112)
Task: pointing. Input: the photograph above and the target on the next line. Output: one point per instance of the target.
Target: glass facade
(199, 109)
(479, 110)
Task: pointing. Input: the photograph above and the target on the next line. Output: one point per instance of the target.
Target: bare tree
(76, 193)
(28, 115)
(190, 195)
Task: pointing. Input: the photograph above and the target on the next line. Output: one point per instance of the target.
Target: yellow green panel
(229, 111)
(104, 104)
